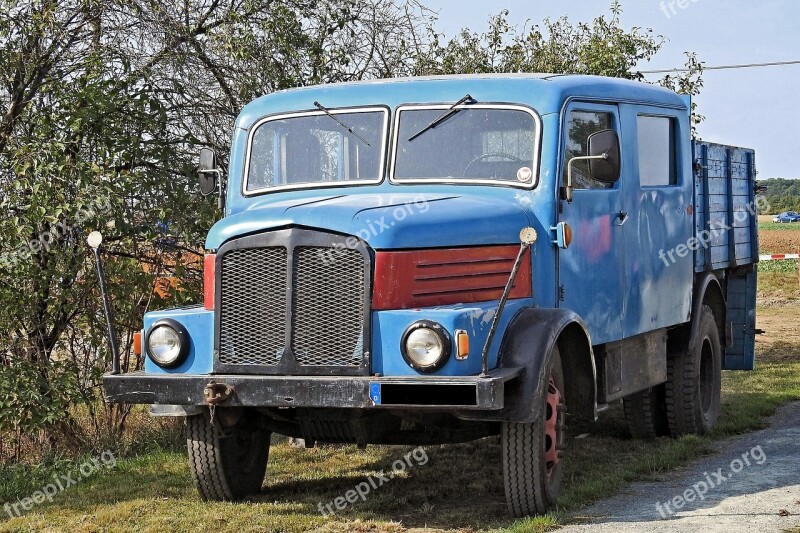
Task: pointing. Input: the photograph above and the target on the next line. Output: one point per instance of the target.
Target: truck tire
(532, 465)
(227, 464)
(695, 380)
(646, 413)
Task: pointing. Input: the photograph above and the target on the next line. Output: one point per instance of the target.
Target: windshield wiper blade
(452, 110)
(339, 122)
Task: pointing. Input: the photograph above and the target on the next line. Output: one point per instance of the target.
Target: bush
(33, 397)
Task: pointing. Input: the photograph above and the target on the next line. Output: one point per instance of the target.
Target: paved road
(735, 496)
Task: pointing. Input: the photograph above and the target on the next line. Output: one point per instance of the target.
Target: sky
(754, 108)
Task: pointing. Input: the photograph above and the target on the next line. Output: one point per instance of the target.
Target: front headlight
(167, 343)
(426, 346)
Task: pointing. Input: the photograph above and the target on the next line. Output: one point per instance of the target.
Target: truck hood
(396, 221)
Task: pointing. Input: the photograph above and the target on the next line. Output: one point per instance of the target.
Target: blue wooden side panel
(740, 355)
(726, 220)
(726, 226)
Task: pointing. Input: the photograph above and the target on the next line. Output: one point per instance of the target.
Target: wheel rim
(553, 428)
(706, 376)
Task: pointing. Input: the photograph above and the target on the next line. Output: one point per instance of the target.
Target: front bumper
(417, 392)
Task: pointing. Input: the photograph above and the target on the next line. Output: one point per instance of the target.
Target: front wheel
(227, 463)
(532, 463)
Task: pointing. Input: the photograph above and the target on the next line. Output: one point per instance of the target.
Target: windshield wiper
(452, 110)
(339, 122)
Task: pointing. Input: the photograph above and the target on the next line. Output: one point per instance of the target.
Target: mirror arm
(569, 170)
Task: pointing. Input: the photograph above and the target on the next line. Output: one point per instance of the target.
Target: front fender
(528, 343)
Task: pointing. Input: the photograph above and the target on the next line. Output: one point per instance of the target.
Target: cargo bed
(726, 223)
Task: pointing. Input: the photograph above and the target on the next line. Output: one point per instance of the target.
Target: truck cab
(437, 260)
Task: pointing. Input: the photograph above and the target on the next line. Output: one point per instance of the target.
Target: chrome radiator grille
(292, 308)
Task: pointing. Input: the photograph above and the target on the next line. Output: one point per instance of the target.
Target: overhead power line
(725, 67)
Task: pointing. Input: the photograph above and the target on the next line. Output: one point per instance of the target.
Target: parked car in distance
(786, 216)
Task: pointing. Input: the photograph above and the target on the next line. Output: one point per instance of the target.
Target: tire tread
(215, 472)
(683, 388)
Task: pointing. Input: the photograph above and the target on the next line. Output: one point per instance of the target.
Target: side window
(580, 125)
(262, 167)
(657, 156)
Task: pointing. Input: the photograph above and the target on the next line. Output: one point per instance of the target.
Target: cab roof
(546, 93)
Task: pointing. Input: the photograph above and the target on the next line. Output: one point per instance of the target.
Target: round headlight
(167, 343)
(426, 346)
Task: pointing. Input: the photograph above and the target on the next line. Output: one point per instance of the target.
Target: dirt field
(778, 281)
(779, 241)
(778, 293)
(781, 342)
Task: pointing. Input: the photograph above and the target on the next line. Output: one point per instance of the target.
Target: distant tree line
(782, 194)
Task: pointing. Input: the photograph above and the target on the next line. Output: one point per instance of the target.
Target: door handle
(622, 218)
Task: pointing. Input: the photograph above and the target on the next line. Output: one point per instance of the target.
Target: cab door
(659, 202)
(591, 271)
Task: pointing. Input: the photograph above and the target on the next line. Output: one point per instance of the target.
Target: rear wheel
(532, 464)
(646, 413)
(695, 380)
(227, 463)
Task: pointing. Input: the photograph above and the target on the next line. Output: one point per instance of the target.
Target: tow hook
(217, 393)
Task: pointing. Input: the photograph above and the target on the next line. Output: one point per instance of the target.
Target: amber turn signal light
(462, 343)
(563, 233)
(137, 343)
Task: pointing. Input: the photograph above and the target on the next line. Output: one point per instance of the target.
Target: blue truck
(438, 260)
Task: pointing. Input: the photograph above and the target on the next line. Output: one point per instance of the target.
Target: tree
(103, 106)
(601, 48)
(781, 194)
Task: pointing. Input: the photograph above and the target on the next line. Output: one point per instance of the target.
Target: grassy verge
(772, 226)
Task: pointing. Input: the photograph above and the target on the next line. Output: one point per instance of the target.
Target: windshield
(473, 143)
(322, 148)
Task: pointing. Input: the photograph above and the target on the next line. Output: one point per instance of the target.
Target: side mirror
(604, 152)
(207, 171)
(603, 158)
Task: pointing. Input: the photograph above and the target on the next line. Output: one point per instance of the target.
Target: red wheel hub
(553, 427)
